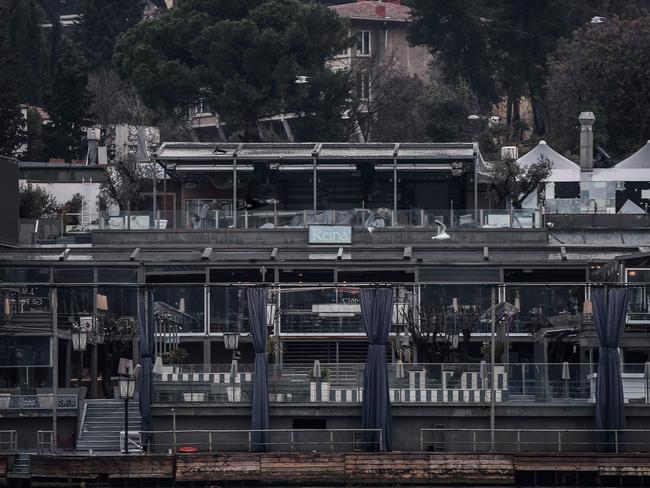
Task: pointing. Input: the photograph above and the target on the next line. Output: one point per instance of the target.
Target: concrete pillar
(93, 371)
(207, 354)
(587, 120)
(68, 363)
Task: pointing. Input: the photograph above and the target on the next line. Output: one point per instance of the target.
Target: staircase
(102, 424)
(21, 468)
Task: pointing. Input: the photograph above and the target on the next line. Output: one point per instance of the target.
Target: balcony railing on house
(409, 383)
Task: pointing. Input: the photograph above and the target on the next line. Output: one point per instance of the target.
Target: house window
(363, 43)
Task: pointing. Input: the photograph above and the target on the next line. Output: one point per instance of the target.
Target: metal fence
(277, 440)
(39, 401)
(535, 440)
(8, 441)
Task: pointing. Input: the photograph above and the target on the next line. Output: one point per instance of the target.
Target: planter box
(194, 397)
(319, 396)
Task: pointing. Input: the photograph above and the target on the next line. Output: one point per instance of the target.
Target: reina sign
(330, 234)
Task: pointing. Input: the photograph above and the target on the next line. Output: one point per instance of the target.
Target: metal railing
(514, 383)
(8, 441)
(135, 441)
(279, 440)
(534, 440)
(40, 401)
(45, 441)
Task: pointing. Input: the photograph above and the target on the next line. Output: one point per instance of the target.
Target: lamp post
(127, 391)
(79, 343)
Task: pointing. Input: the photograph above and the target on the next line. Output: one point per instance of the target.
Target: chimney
(380, 10)
(587, 120)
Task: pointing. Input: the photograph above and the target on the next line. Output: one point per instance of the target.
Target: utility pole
(55, 364)
(493, 323)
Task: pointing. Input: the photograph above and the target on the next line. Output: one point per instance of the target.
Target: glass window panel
(25, 275)
(73, 275)
(116, 275)
(185, 304)
(228, 310)
(22, 351)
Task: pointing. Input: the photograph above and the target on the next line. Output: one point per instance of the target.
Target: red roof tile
(367, 10)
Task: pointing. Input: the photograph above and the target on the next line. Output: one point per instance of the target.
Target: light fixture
(79, 340)
(231, 340)
(413, 167)
(270, 314)
(213, 168)
(102, 302)
(454, 304)
(7, 306)
(158, 366)
(319, 167)
(587, 308)
(126, 384)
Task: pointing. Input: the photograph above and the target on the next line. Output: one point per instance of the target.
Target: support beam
(408, 253)
(64, 255)
(563, 253)
(207, 254)
(135, 254)
(486, 253)
(339, 254)
(274, 253)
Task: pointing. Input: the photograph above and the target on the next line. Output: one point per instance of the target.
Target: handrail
(11, 444)
(615, 439)
(291, 441)
(82, 420)
(43, 444)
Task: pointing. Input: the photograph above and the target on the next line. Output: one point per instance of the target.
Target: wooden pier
(334, 469)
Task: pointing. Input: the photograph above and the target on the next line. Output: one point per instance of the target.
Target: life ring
(188, 450)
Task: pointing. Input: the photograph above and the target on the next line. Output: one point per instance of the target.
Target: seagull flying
(597, 20)
(442, 232)
(301, 79)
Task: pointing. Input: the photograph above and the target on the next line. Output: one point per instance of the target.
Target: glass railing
(295, 219)
(466, 383)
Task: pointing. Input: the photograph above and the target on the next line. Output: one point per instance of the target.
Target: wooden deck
(328, 469)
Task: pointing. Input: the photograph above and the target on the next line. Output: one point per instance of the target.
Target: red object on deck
(187, 450)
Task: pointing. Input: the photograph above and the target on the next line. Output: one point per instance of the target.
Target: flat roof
(197, 152)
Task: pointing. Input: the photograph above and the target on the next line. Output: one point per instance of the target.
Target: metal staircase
(21, 468)
(102, 423)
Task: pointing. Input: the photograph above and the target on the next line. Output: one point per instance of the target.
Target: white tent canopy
(564, 170)
(634, 168)
(638, 160)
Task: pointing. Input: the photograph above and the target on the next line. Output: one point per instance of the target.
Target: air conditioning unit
(93, 134)
(509, 153)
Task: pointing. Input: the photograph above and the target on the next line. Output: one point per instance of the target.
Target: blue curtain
(260, 413)
(376, 312)
(609, 315)
(146, 330)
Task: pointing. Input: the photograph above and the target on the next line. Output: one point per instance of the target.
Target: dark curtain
(376, 312)
(609, 316)
(146, 329)
(260, 413)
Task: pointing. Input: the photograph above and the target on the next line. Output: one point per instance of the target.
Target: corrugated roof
(197, 152)
(368, 10)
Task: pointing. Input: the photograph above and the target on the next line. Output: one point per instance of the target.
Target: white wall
(63, 191)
